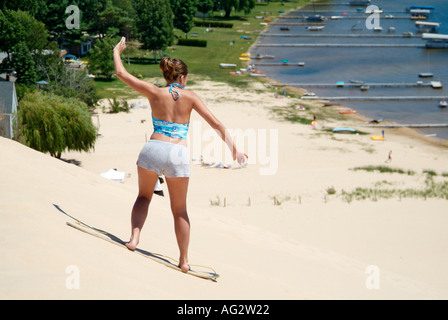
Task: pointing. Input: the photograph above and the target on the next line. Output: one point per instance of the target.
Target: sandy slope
(311, 246)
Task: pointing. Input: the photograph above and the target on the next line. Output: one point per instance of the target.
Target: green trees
(101, 57)
(23, 64)
(238, 5)
(20, 26)
(154, 24)
(51, 123)
(183, 11)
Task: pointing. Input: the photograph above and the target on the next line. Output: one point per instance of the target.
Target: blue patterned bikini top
(171, 129)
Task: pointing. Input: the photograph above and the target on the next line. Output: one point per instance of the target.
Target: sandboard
(153, 256)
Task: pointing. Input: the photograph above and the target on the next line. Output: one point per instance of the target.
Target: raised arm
(138, 85)
(205, 113)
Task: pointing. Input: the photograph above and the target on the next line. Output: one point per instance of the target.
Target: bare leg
(177, 188)
(146, 182)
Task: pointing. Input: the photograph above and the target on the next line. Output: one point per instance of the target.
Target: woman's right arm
(208, 116)
(138, 85)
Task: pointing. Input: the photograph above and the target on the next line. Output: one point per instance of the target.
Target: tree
(183, 11)
(51, 123)
(238, 5)
(154, 24)
(101, 58)
(20, 26)
(204, 6)
(23, 64)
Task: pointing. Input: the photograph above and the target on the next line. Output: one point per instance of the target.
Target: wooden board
(153, 256)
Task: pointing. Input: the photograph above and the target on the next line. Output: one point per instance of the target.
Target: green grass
(203, 62)
(432, 189)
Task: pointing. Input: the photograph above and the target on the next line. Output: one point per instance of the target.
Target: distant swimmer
(389, 157)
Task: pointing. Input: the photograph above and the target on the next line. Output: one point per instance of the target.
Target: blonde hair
(172, 68)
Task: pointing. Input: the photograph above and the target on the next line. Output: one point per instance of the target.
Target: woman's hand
(120, 46)
(240, 157)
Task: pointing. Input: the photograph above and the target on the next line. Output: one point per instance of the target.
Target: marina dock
(357, 45)
(374, 98)
(340, 35)
(355, 85)
(410, 125)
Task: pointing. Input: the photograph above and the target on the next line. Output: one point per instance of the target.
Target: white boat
(436, 84)
(443, 104)
(316, 28)
(227, 65)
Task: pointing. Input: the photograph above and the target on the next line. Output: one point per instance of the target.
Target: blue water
(368, 64)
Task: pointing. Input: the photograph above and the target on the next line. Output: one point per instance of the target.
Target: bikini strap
(173, 90)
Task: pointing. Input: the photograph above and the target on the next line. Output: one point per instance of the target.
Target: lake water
(370, 64)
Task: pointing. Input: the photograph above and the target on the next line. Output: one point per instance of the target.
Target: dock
(358, 45)
(339, 35)
(276, 64)
(354, 85)
(410, 125)
(375, 98)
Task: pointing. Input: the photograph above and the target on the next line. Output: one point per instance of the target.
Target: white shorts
(169, 159)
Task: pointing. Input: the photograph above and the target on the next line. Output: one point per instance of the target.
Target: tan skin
(164, 107)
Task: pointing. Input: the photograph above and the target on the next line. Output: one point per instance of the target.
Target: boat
(344, 130)
(264, 56)
(347, 111)
(436, 84)
(420, 7)
(364, 87)
(316, 28)
(359, 2)
(377, 138)
(419, 13)
(357, 82)
(443, 104)
(425, 75)
(227, 65)
(435, 41)
(315, 18)
(377, 28)
(430, 27)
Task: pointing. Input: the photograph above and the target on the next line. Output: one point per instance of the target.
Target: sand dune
(309, 245)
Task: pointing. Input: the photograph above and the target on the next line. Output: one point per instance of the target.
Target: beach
(272, 229)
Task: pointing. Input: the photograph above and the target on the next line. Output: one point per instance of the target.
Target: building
(8, 107)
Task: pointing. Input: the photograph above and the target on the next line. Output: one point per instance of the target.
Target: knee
(180, 212)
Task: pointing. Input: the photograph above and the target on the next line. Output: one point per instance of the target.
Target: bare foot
(184, 267)
(131, 245)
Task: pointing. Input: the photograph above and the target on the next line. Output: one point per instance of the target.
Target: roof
(7, 93)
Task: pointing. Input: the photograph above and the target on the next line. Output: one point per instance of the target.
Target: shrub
(51, 123)
(192, 42)
(213, 24)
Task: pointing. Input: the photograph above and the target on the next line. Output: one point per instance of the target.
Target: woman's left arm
(138, 85)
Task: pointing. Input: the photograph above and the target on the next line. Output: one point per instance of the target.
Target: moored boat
(443, 104)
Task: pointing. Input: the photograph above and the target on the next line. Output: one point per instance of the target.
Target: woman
(166, 152)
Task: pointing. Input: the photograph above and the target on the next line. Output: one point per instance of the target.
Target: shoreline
(357, 118)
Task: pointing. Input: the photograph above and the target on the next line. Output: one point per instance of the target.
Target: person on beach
(166, 152)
